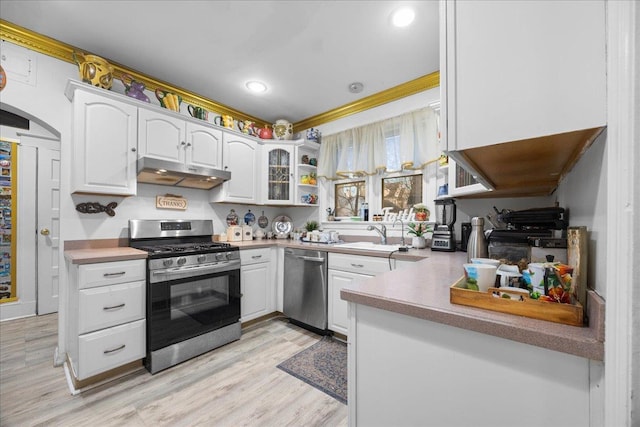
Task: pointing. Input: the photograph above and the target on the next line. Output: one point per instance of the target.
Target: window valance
(405, 142)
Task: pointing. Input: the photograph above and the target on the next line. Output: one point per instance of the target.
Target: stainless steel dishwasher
(305, 288)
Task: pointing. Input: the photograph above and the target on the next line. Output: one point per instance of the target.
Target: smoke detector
(356, 87)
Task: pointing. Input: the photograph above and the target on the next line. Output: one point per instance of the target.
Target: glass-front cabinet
(461, 182)
(279, 161)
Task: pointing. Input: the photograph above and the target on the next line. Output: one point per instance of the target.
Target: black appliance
(193, 289)
(526, 229)
(465, 233)
(444, 238)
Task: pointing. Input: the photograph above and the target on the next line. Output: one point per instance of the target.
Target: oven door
(184, 308)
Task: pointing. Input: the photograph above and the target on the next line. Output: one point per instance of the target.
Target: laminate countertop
(93, 255)
(410, 255)
(422, 291)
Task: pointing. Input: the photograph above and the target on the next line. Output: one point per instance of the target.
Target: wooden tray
(568, 314)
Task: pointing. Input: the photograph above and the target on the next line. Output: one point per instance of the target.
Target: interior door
(48, 229)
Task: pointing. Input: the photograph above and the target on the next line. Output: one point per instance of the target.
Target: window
(349, 197)
(401, 192)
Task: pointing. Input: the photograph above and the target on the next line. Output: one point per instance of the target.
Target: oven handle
(199, 269)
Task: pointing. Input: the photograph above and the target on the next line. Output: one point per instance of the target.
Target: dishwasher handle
(309, 258)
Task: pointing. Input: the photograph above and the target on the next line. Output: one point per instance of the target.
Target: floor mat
(323, 365)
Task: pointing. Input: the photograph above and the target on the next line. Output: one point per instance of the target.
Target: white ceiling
(307, 52)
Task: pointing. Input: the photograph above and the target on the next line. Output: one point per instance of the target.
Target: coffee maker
(444, 236)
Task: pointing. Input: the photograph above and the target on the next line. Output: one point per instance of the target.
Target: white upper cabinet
(161, 136)
(242, 158)
(204, 146)
(165, 137)
(523, 71)
(104, 144)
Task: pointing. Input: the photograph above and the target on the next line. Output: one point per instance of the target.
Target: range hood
(165, 172)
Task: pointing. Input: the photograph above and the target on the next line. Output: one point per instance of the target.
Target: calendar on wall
(8, 193)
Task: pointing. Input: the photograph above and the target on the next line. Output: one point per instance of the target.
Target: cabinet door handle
(134, 149)
(113, 307)
(357, 265)
(119, 273)
(114, 349)
(188, 144)
(256, 257)
(183, 143)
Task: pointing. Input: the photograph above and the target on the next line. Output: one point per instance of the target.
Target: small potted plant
(311, 225)
(422, 212)
(418, 230)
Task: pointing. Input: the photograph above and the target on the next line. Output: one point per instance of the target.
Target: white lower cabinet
(109, 348)
(337, 316)
(256, 284)
(344, 269)
(106, 327)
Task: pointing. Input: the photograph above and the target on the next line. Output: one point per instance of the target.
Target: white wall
(584, 193)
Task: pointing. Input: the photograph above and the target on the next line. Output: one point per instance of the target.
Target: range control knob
(221, 256)
(201, 258)
(167, 262)
(181, 261)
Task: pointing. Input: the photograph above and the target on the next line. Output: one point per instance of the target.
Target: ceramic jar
(313, 134)
(265, 132)
(282, 130)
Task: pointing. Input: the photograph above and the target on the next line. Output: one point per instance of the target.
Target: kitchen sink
(368, 246)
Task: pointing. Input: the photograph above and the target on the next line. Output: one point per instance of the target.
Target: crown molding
(64, 52)
(403, 90)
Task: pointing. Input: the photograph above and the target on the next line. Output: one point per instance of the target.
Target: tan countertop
(411, 255)
(422, 291)
(93, 255)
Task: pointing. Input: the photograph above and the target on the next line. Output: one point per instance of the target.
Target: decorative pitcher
(169, 100)
(282, 129)
(133, 88)
(94, 70)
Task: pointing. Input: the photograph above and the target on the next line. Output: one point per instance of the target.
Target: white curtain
(408, 141)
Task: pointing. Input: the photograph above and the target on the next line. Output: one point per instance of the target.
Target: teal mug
(197, 112)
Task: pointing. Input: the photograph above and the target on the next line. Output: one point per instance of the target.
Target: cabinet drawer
(358, 264)
(110, 348)
(254, 256)
(111, 273)
(107, 306)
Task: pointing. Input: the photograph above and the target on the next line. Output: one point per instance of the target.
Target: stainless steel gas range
(193, 289)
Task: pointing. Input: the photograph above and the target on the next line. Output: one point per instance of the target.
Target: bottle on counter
(365, 211)
(477, 245)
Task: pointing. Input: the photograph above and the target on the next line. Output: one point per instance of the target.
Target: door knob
(44, 231)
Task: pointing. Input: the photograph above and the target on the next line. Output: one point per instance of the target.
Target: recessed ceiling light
(403, 17)
(256, 86)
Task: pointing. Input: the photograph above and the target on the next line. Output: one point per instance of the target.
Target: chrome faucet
(382, 231)
(402, 228)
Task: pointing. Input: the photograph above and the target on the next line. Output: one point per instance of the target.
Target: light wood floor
(235, 385)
